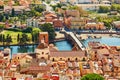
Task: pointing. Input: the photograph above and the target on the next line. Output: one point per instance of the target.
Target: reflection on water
(63, 45)
(21, 49)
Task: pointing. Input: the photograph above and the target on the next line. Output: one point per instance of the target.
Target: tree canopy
(92, 76)
(104, 9)
(47, 27)
(39, 8)
(115, 7)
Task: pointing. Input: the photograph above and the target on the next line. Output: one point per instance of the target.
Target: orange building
(95, 26)
(44, 37)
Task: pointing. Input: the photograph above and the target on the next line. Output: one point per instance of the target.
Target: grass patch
(14, 34)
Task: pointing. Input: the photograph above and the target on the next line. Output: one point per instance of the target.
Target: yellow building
(78, 23)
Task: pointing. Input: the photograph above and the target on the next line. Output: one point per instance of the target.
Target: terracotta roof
(2, 61)
(16, 8)
(1, 3)
(68, 54)
(10, 2)
(50, 15)
(46, 76)
(9, 74)
(57, 23)
(94, 44)
(41, 68)
(73, 13)
(106, 68)
(1, 73)
(67, 21)
(28, 78)
(103, 51)
(49, 19)
(116, 63)
(86, 71)
(36, 69)
(24, 3)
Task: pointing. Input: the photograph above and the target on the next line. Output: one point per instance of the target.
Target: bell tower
(44, 37)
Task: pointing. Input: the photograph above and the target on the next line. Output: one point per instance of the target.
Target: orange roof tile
(68, 54)
(1, 3)
(103, 51)
(50, 15)
(57, 23)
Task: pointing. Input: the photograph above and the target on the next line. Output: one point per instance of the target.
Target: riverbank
(18, 45)
(107, 39)
(59, 35)
(86, 36)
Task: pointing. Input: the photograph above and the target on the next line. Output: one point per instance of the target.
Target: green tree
(18, 38)
(1, 7)
(24, 38)
(47, 27)
(1, 27)
(1, 17)
(59, 5)
(39, 8)
(33, 37)
(8, 39)
(103, 9)
(13, 12)
(115, 7)
(107, 24)
(28, 30)
(92, 76)
(35, 34)
(32, 12)
(1, 38)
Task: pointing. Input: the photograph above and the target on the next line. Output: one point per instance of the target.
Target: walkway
(76, 40)
(48, 7)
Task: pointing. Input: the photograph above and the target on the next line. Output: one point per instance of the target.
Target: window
(76, 59)
(42, 52)
(42, 58)
(44, 37)
(47, 53)
(68, 59)
(60, 58)
(53, 59)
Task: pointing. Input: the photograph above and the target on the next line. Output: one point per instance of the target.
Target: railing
(76, 40)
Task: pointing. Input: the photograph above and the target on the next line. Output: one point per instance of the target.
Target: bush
(14, 29)
(92, 76)
(103, 9)
(27, 30)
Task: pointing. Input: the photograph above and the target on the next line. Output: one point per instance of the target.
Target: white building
(91, 6)
(117, 1)
(84, 1)
(34, 22)
(80, 1)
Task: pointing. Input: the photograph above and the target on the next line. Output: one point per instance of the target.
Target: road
(48, 7)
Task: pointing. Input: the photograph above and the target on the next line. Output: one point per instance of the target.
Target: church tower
(44, 37)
